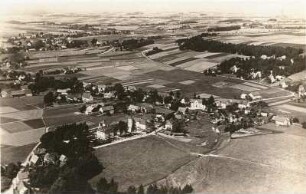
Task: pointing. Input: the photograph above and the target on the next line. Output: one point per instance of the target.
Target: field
(191, 60)
(292, 110)
(189, 82)
(272, 39)
(15, 154)
(260, 164)
(21, 121)
(140, 161)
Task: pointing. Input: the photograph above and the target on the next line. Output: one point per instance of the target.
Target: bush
(295, 120)
(304, 125)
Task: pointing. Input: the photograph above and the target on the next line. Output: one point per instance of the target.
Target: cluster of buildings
(39, 157)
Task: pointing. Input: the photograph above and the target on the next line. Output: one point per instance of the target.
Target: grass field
(15, 154)
(260, 164)
(140, 161)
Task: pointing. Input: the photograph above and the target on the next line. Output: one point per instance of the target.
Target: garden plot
(198, 65)
(216, 55)
(220, 84)
(15, 127)
(187, 82)
(7, 120)
(244, 87)
(127, 68)
(255, 85)
(7, 109)
(206, 54)
(138, 82)
(176, 60)
(182, 61)
(169, 46)
(25, 115)
(22, 138)
(224, 57)
(155, 86)
(164, 53)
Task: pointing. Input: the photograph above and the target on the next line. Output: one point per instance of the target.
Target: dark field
(140, 161)
(15, 154)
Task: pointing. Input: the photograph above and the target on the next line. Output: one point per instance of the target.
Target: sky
(291, 8)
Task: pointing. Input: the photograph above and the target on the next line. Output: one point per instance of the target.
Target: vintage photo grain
(152, 96)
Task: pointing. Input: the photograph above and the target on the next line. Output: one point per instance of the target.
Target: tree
(47, 140)
(119, 91)
(178, 126)
(131, 190)
(94, 41)
(11, 170)
(295, 120)
(38, 44)
(133, 125)
(304, 125)
(83, 108)
(187, 189)
(49, 98)
(122, 127)
(140, 189)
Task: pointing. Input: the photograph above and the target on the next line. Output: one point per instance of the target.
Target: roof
(105, 108)
(86, 95)
(160, 110)
(145, 105)
(17, 92)
(63, 90)
(195, 100)
(34, 158)
(22, 175)
(280, 118)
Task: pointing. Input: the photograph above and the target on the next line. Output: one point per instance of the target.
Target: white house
(301, 91)
(243, 105)
(107, 109)
(254, 95)
(133, 108)
(63, 91)
(89, 109)
(221, 104)
(243, 96)
(281, 120)
(100, 133)
(168, 125)
(140, 124)
(182, 110)
(196, 104)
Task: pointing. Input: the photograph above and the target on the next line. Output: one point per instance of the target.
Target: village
(146, 103)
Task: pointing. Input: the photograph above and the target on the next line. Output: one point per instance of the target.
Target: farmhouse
(182, 110)
(19, 93)
(254, 95)
(196, 104)
(168, 125)
(87, 97)
(63, 91)
(107, 110)
(133, 108)
(109, 95)
(140, 124)
(281, 120)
